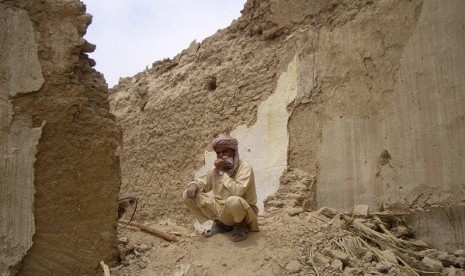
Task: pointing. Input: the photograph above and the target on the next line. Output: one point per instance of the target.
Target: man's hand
(224, 163)
(192, 190)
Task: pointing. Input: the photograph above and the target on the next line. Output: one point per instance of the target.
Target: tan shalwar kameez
(234, 198)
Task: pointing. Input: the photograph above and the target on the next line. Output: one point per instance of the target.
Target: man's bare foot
(217, 227)
(239, 232)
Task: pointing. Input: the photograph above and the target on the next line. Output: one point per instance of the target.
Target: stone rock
(294, 211)
(395, 271)
(276, 269)
(446, 259)
(351, 271)
(129, 257)
(450, 271)
(401, 231)
(389, 255)
(293, 267)
(328, 212)
(368, 257)
(137, 253)
(432, 263)
(460, 253)
(337, 264)
(343, 257)
(383, 266)
(123, 240)
(182, 270)
(336, 221)
(460, 261)
(360, 210)
(142, 265)
(143, 247)
(282, 260)
(322, 259)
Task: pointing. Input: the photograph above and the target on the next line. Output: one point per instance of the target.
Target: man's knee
(235, 203)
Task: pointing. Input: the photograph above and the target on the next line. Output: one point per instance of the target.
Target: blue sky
(131, 34)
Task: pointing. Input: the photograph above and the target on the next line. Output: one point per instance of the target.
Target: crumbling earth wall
(375, 96)
(59, 171)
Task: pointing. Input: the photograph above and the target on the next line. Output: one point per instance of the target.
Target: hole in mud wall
(211, 83)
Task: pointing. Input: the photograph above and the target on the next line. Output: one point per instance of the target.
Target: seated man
(232, 206)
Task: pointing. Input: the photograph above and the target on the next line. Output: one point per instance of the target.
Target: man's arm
(239, 185)
(202, 184)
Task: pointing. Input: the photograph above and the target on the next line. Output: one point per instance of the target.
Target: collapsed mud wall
(58, 165)
(374, 92)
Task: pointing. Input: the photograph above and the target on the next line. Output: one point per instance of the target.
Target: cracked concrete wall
(403, 151)
(59, 169)
(410, 151)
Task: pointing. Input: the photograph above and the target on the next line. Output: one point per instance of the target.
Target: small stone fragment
(460, 262)
(336, 221)
(401, 231)
(446, 259)
(143, 247)
(123, 240)
(351, 271)
(343, 257)
(384, 266)
(389, 255)
(142, 264)
(419, 243)
(450, 271)
(395, 271)
(368, 257)
(460, 253)
(327, 212)
(360, 210)
(322, 259)
(432, 263)
(293, 267)
(294, 211)
(337, 264)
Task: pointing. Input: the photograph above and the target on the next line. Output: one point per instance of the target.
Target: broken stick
(150, 230)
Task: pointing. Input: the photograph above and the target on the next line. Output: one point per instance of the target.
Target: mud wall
(374, 97)
(403, 144)
(58, 165)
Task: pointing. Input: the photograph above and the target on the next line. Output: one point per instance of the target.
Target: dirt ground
(291, 242)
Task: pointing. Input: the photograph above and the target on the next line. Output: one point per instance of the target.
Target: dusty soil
(291, 242)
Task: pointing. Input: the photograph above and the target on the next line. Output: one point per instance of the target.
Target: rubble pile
(292, 242)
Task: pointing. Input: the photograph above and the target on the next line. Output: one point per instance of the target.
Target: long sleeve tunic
(242, 184)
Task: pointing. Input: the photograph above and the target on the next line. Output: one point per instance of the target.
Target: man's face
(222, 152)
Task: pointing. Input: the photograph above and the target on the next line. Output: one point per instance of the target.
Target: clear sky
(131, 34)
